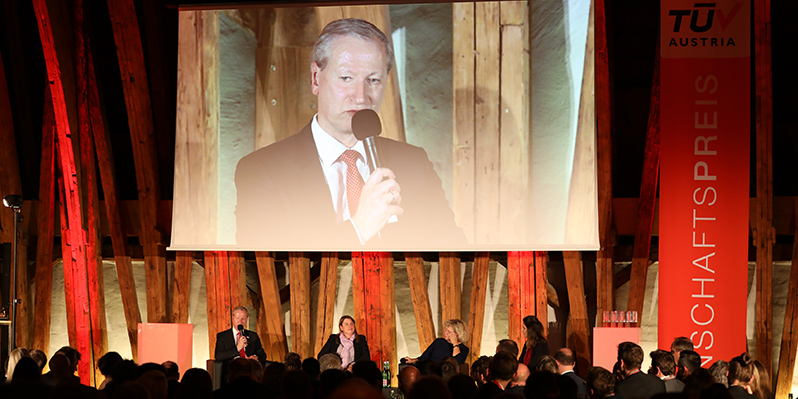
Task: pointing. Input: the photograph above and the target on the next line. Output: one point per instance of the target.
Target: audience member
(567, 386)
(407, 377)
(548, 363)
(329, 380)
(272, 378)
(535, 343)
(462, 386)
(329, 361)
(241, 382)
(680, 344)
(479, 370)
(689, 361)
(663, 366)
(696, 383)
(40, 358)
(13, 358)
(312, 368)
(122, 372)
(507, 345)
(719, 371)
(502, 369)
(516, 386)
(542, 385)
(129, 390)
(636, 385)
(106, 364)
(172, 377)
(154, 381)
(761, 386)
(565, 366)
(429, 387)
(368, 370)
(196, 384)
(296, 385)
(741, 373)
(600, 383)
(293, 361)
(429, 367)
(355, 388)
(449, 368)
(149, 366)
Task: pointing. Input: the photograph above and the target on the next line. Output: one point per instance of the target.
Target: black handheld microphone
(366, 126)
(241, 330)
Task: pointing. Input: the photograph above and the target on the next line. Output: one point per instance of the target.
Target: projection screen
(487, 139)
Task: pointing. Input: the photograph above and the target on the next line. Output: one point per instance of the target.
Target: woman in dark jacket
(455, 335)
(348, 344)
(535, 345)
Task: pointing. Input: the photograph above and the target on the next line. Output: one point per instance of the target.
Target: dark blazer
(440, 349)
(639, 386)
(738, 392)
(541, 349)
(581, 388)
(241, 387)
(283, 198)
(361, 347)
(226, 346)
(488, 390)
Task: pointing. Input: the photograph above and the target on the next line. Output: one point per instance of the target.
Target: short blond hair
(459, 328)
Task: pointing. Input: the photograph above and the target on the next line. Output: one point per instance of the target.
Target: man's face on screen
(353, 79)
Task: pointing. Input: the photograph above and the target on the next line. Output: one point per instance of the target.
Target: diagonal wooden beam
(272, 308)
(789, 336)
(764, 233)
(418, 293)
(476, 310)
(648, 198)
(76, 238)
(325, 307)
(127, 37)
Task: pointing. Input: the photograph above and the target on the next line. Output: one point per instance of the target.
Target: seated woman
(535, 345)
(348, 344)
(455, 335)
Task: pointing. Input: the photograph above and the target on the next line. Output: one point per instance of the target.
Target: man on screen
(314, 189)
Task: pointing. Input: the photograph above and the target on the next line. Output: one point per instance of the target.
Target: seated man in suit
(238, 341)
(315, 189)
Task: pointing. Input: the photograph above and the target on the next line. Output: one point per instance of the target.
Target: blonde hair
(459, 328)
(13, 359)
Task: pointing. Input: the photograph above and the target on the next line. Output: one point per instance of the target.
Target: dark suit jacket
(361, 347)
(639, 386)
(226, 346)
(738, 392)
(283, 198)
(581, 388)
(541, 349)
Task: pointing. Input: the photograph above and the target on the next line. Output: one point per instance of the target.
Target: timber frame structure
(127, 215)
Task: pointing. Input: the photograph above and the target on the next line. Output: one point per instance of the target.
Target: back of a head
(547, 363)
(26, 371)
(663, 360)
(131, 390)
(273, 374)
(521, 374)
(155, 383)
(107, 362)
(196, 383)
(719, 370)
(172, 370)
(407, 377)
(462, 386)
(507, 345)
(503, 366)
(149, 366)
(429, 387)
(479, 369)
(761, 385)
(368, 371)
(312, 368)
(72, 355)
(13, 358)
(448, 370)
(600, 381)
(690, 360)
(296, 385)
(330, 361)
(542, 385)
(682, 344)
(329, 380)
(40, 358)
(238, 368)
(60, 368)
(697, 382)
(632, 356)
(565, 357)
(293, 361)
(356, 388)
(125, 370)
(429, 367)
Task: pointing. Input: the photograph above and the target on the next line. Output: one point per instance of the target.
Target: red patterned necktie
(242, 352)
(354, 183)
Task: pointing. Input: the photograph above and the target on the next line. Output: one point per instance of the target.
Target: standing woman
(535, 345)
(741, 373)
(455, 335)
(348, 344)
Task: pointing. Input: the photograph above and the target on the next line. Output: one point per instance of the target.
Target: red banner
(705, 137)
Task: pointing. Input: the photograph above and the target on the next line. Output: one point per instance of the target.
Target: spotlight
(13, 201)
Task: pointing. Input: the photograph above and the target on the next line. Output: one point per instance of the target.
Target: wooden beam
(605, 291)
(789, 336)
(236, 270)
(374, 273)
(325, 307)
(182, 286)
(450, 286)
(9, 169)
(542, 292)
(135, 85)
(24, 337)
(579, 342)
(463, 136)
(648, 197)
(387, 311)
(418, 293)
(299, 276)
(212, 300)
(272, 308)
(522, 295)
(764, 233)
(76, 238)
(487, 145)
(46, 222)
(476, 310)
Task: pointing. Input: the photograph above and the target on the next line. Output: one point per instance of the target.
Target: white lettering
(702, 323)
(705, 141)
(702, 281)
(704, 197)
(705, 266)
(701, 165)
